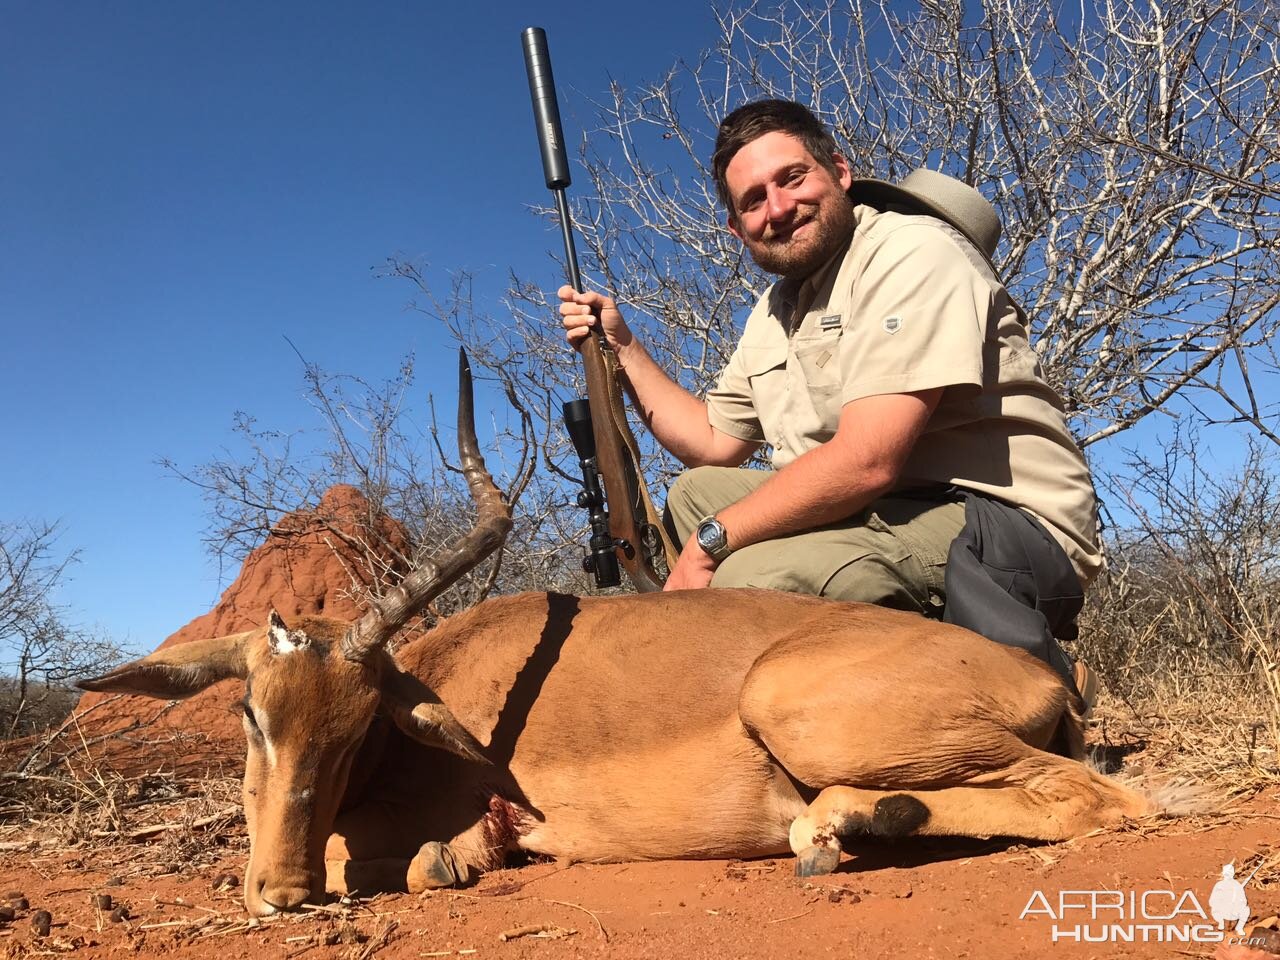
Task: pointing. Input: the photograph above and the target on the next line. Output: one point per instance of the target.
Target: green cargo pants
(893, 553)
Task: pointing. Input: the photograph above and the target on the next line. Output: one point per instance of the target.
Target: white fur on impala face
(282, 639)
(264, 736)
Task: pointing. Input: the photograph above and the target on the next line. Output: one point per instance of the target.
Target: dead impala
(706, 723)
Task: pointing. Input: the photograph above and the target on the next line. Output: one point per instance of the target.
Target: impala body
(707, 723)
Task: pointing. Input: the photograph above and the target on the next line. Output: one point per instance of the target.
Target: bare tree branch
(41, 650)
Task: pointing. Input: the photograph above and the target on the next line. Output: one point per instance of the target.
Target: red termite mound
(312, 562)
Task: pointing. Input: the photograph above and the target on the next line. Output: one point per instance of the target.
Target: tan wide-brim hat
(941, 196)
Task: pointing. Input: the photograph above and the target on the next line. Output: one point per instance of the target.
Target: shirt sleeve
(729, 406)
(918, 311)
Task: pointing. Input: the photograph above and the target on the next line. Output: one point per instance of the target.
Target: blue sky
(185, 185)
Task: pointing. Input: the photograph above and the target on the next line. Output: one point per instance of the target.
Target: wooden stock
(631, 510)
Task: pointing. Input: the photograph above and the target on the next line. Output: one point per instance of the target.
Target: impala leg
(1040, 797)
(437, 865)
(840, 814)
(482, 846)
(373, 850)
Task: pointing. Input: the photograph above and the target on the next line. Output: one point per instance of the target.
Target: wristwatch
(713, 539)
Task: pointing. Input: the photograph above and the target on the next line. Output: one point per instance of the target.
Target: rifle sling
(618, 409)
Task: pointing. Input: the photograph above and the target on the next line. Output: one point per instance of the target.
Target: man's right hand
(580, 312)
(677, 418)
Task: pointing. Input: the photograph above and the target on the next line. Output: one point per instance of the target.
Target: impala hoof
(436, 866)
(817, 861)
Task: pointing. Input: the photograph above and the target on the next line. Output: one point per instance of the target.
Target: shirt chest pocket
(819, 364)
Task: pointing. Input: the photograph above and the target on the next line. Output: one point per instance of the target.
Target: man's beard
(831, 223)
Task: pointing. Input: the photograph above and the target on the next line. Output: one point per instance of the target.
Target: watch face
(710, 535)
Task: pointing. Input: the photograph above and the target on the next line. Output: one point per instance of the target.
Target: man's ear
(731, 222)
(843, 171)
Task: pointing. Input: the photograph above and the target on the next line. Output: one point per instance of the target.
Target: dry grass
(1187, 690)
(1211, 736)
(1184, 628)
(76, 790)
(181, 820)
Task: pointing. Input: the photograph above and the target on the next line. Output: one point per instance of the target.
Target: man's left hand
(693, 570)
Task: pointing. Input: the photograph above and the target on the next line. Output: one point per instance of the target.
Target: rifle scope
(601, 559)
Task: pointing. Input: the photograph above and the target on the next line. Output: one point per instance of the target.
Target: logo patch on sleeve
(829, 323)
(892, 324)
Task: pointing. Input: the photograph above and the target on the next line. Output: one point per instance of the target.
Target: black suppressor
(555, 163)
(546, 111)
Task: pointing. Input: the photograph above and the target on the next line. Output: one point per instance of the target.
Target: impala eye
(248, 715)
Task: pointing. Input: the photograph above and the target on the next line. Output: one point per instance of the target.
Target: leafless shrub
(1185, 625)
(41, 650)
(1130, 149)
(383, 439)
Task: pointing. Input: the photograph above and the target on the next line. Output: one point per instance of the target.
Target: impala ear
(280, 639)
(420, 714)
(177, 672)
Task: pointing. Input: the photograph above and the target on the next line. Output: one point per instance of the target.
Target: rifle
(625, 527)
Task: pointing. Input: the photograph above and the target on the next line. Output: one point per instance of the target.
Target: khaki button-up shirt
(910, 305)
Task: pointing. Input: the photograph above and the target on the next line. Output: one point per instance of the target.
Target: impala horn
(388, 614)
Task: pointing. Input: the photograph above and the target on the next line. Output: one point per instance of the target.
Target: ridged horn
(388, 614)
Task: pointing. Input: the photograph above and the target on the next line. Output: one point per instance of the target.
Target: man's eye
(796, 178)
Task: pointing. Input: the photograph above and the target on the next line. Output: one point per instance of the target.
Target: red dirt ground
(952, 899)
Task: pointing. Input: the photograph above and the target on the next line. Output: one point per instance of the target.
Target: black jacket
(1008, 580)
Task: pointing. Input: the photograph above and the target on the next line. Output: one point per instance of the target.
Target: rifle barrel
(546, 117)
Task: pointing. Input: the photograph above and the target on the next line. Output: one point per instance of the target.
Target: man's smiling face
(787, 208)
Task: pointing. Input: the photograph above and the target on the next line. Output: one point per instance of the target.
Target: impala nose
(283, 899)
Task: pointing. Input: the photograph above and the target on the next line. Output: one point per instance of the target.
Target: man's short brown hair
(754, 120)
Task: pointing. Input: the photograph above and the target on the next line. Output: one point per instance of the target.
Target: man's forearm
(861, 463)
(818, 488)
(676, 417)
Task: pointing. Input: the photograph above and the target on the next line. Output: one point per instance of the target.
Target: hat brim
(881, 194)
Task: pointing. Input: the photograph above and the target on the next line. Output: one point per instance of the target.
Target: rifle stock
(633, 522)
(638, 539)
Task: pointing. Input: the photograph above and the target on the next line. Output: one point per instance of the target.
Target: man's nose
(779, 203)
